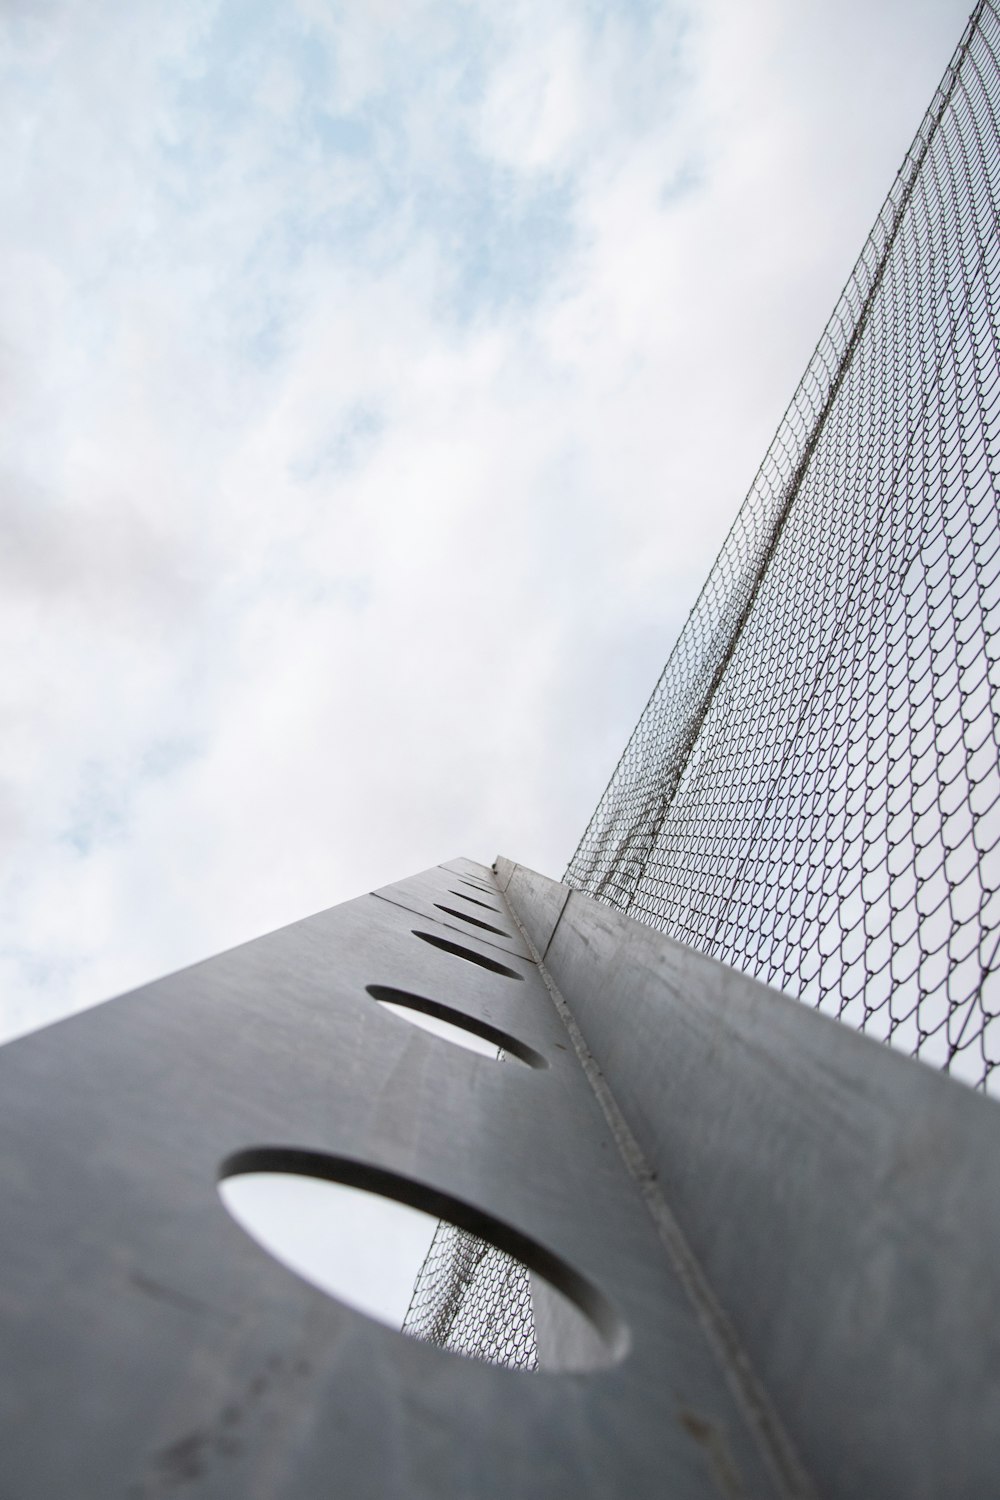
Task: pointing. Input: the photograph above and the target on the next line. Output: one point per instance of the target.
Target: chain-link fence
(474, 1299)
(812, 793)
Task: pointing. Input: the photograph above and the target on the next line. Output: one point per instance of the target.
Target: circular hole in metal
(421, 1261)
(453, 1025)
(465, 916)
(467, 953)
(473, 902)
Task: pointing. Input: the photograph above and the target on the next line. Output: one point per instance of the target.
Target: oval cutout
(467, 953)
(362, 1235)
(473, 902)
(453, 1025)
(468, 917)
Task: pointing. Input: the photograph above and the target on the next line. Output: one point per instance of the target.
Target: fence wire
(812, 793)
(474, 1299)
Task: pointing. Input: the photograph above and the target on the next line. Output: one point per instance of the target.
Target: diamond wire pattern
(812, 794)
(474, 1299)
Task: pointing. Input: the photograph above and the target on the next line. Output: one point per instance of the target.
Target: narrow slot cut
(454, 1026)
(475, 921)
(467, 953)
(472, 900)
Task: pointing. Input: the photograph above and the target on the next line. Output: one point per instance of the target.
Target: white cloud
(380, 383)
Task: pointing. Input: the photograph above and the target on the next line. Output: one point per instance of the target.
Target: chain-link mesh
(812, 793)
(474, 1299)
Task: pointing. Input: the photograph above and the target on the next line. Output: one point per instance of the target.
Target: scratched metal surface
(150, 1348)
(842, 1201)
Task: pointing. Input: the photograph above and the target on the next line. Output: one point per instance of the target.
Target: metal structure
(150, 1348)
(706, 1243)
(813, 791)
(761, 1249)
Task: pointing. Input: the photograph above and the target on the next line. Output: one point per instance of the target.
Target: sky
(379, 383)
(361, 1248)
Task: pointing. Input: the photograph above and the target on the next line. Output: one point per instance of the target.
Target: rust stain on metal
(712, 1438)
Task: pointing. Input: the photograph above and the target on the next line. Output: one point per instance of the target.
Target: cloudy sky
(379, 380)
